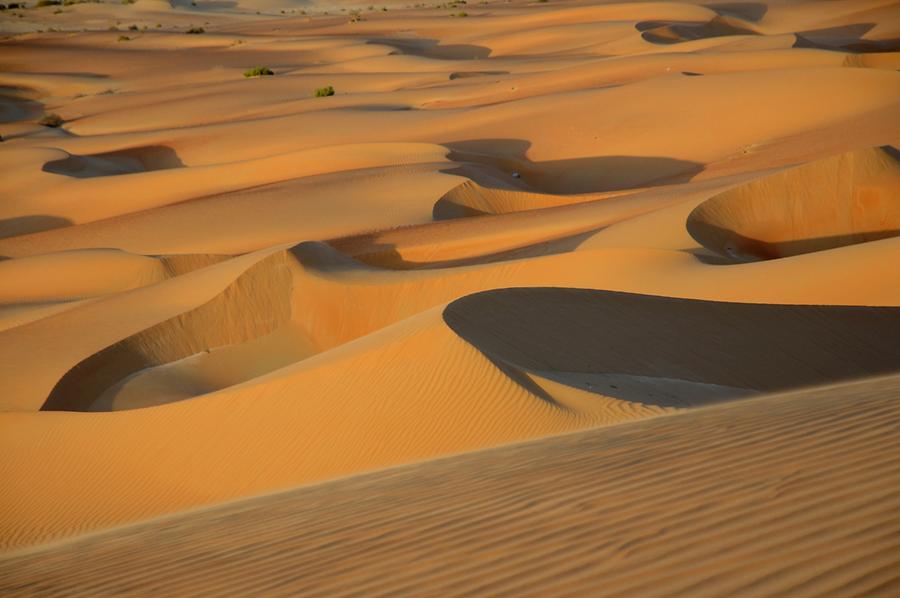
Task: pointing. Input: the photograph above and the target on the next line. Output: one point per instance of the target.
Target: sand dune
(846, 199)
(441, 229)
(790, 493)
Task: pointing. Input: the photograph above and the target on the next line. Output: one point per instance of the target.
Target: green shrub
(325, 91)
(196, 31)
(48, 3)
(460, 14)
(258, 71)
(128, 1)
(52, 120)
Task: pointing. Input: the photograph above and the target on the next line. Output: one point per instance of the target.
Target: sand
(793, 493)
(547, 297)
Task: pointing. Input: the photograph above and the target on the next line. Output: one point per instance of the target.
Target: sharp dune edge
(562, 297)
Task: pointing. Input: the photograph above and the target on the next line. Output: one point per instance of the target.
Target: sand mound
(320, 418)
(34, 356)
(256, 304)
(789, 494)
(837, 201)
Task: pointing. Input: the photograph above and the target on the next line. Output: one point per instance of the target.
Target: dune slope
(258, 246)
(793, 493)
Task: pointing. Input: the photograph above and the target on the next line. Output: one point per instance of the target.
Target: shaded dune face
(494, 161)
(254, 305)
(128, 161)
(587, 338)
(672, 33)
(842, 200)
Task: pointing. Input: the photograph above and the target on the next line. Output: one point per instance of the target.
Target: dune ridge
(517, 297)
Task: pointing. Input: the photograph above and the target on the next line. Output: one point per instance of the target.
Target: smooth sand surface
(792, 493)
(512, 221)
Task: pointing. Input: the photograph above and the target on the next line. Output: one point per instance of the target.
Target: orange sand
(539, 218)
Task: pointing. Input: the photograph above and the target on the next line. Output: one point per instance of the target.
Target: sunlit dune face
(839, 201)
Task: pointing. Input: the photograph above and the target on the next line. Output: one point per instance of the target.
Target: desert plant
(52, 120)
(195, 30)
(48, 3)
(258, 71)
(124, 38)
(460, 14)
(132, 27)
(325, 91)
(128, 1)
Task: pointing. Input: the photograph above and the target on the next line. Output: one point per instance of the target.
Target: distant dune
(522, 297)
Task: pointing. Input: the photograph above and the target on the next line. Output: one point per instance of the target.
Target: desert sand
(562, 297)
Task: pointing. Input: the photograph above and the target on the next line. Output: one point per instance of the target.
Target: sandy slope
(792, 493)
(534, 219)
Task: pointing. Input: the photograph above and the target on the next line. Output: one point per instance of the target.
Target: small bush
(460, 14)
(132, 27)
(195, 31)
(128, 1)
(52, 120)
(259, 71)
(325, 91)
(2, 7)
(48, 3)
(124, 38)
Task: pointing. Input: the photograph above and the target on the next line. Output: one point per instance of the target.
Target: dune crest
(497, 297)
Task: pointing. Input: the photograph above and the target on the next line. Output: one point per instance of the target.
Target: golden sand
(639, 259)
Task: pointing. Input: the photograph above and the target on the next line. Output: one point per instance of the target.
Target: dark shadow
(201, 5)
(431, 48)
(470, 74)
(367, 250)
(129, 161)
(846, 38)
(15, 105)
(673, 32)
(749, 11)
(503, 157)
(691, 74)
(378, 108)
(740, 248)
(26, 225)
(681, 346)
